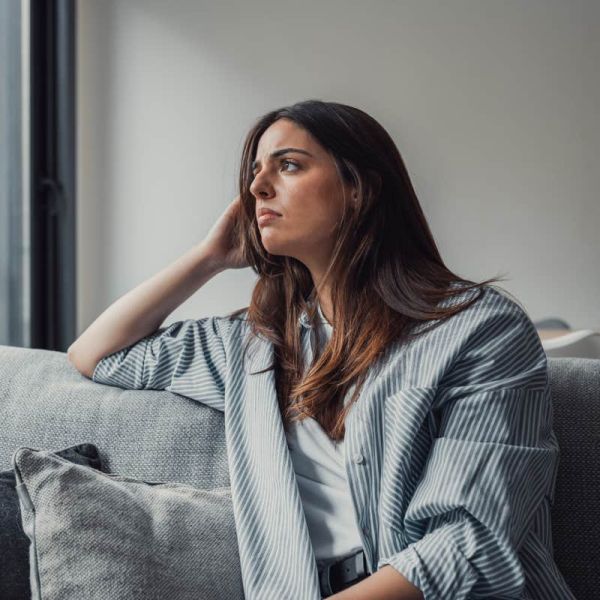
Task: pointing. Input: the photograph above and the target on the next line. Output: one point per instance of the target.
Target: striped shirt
(449, 452)
(321, 474)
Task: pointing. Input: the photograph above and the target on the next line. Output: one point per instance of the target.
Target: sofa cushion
(14, 544)
(575, 514)
(152, 435)
(99, 535)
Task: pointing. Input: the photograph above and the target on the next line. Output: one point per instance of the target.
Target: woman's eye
(289, 162)
(285, 161)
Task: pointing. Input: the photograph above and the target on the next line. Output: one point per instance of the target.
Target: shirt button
(358, 458)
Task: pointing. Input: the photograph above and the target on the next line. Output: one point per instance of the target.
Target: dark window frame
(53, 174)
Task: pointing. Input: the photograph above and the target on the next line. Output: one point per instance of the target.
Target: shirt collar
(304, 320)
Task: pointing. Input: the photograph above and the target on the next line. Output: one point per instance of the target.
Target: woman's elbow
(85, 367)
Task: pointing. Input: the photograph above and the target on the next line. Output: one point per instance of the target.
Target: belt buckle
(325, 580)
(355, 567)
(351, 569)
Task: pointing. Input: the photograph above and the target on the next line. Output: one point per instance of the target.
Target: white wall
(493, 105)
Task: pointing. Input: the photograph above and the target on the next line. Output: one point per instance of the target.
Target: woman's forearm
(143, 309)
(384, 584)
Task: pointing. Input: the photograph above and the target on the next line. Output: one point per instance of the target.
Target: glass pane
(14, 330)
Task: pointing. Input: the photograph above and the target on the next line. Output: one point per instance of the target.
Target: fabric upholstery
(97, 535)
(575, 384)
(14, 543)
(46, 403)
(160, 436)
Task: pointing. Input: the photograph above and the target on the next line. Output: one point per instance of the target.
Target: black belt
(340, 573)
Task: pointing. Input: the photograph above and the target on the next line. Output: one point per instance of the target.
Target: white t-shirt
(319, 465)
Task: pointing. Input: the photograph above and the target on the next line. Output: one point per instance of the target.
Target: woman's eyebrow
(279, 153)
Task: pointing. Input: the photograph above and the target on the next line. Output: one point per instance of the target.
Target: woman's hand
(223, 242)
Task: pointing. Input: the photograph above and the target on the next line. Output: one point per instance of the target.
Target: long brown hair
(386, 271)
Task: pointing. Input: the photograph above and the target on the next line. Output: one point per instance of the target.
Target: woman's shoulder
(232, 324)
(494, 339)
(486, 298)
(492, 308)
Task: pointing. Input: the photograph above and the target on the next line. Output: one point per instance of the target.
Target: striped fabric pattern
(450, 454)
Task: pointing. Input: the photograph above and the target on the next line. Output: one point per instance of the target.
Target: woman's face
(303, 186)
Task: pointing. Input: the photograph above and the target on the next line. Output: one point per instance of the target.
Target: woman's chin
(272, 246)
(273, 249)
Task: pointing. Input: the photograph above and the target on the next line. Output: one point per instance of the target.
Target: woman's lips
(267, 218)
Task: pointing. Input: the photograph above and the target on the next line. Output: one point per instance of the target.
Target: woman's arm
(143, 309)
(490, 466)
(385, 584)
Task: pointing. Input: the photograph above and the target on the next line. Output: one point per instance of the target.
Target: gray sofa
(46, 403)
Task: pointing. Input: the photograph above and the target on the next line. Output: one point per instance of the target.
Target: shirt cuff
(435, 565)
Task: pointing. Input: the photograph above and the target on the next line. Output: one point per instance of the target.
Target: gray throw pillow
(14, 544)
(98, 535)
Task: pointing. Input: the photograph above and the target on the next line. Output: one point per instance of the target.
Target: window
(37, 173)
(14, 250)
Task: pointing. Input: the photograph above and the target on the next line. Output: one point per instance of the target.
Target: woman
(388, 423)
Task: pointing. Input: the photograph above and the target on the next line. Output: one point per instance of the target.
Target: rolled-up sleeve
(186, 357)
(492, 462)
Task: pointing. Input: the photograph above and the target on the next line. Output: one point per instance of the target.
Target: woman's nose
(260, 187)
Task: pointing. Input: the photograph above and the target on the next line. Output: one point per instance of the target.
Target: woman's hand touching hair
(223, 242)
